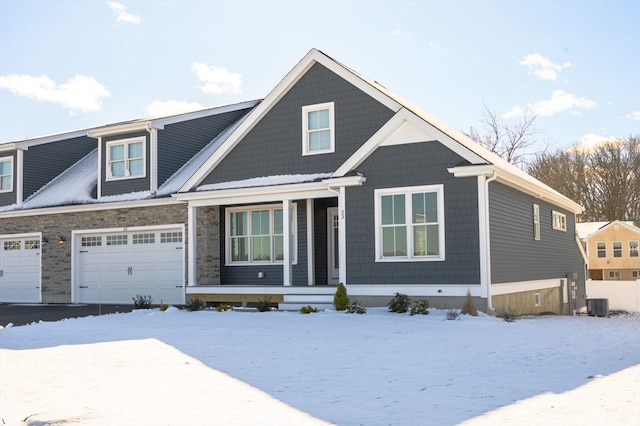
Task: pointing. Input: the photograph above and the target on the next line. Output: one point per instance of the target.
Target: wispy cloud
(591, 141)
(635, 115)
(516, 111)
(561, 101)
(121, 13)
(161, 108)
(80, 94)
(217, 80)
(542, 67)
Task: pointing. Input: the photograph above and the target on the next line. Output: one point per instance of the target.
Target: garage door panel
(20, 275)
(126, 264)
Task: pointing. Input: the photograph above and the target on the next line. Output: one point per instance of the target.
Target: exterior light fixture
(61, 241)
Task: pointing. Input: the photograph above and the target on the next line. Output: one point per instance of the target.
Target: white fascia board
(314, 56)
(159, 123)
(89, 207)
(24, 145)
(472, 171)
(136, 126)
(345, 181)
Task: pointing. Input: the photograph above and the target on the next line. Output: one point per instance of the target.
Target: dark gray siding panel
(8, 198)
(411, 165)
(274, 145)
(124, 186)
(515, 255)
(42, 163)
(177, 143)
(273, 274)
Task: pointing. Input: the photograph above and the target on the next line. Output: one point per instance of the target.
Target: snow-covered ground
(284, 368)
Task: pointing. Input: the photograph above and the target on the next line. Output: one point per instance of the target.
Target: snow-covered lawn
(284, 368)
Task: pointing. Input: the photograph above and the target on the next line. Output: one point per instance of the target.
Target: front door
(333, 249)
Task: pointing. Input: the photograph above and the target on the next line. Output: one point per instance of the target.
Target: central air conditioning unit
(598, 307)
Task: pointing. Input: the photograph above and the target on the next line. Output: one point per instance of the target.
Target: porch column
(342, 236)
(311, 266)
(191, 247)
(286, 242)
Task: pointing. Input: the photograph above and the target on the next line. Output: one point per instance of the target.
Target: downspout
(493, 177)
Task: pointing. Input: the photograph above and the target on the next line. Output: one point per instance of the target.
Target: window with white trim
(126, 158)
(318, 129)
(6, 174)
(117, 240)
(410, 223)
(617, 248)
(601, 248)
(148, 238)
(537, 299)
(255, 235)
(633, 248)
(559, 221)
(536, 222)
(635, 274)
(13, 245)
(91, 241)
(170, 237)
(614, 274)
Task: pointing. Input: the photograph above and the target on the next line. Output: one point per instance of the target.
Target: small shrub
(509, 315)
(164, 307)
(142, 302)
(264, 305)
(452, 314)
(356, 308)
(400, 303)
(223, 307)
(308, 309)
(195, 304)
(469, 308)
(420, 307)
(340, 299)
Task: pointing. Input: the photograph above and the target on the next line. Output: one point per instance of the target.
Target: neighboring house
(612, 249)
(331, 178)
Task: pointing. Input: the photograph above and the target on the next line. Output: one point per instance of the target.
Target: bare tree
(605, 180)
(513, 141)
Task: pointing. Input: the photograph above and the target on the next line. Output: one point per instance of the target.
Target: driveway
(18, 314)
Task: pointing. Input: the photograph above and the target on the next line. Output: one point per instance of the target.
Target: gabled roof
(410, 124)
(588, 230)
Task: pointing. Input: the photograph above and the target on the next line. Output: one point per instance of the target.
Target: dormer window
(318, 129)
(6, 174)
(126, 158)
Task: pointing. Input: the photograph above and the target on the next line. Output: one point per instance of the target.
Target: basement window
(538, 300)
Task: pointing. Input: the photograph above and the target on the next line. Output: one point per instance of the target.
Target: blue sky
(67, 65)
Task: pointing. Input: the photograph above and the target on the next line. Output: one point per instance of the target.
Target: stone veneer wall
(208, 245)
(56, 259)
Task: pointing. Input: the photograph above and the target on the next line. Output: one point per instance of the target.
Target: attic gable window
(318, 129)
(6, 174)
(126, 158)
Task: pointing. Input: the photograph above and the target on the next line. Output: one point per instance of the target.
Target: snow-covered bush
(400, 303)
(340, 299)
(509, 315)
(195, 304)
(308, 309)
(142, 302)
(223, 307)
(264, 305)
(356, 308)
(420, 307)
(452, 314)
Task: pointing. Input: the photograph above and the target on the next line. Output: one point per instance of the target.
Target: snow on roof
(265, 181)
(585, 229)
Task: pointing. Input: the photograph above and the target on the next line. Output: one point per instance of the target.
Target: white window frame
(635, 273)
(620, 250)
(603, 249)
(614, 274)
(408, 192)
(536, 222)
(537, 300)
(126, 143)
(559, 221)
(249, 209)
(10, 175)
(634, 248)
(305, 128)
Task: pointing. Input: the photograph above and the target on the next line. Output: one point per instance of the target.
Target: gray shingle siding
(42, 163)
(412, 165)
(178, 142)
(274, 145)
(8, 198)
(125, 186)
(515, 255)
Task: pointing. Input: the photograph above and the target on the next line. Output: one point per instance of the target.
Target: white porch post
(191, 247)
(286, 242)
(311, 277)
(342, 236)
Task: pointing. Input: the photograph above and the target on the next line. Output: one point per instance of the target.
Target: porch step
(293, 302)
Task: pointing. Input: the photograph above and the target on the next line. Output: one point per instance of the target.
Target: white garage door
(114, 267)
(20, 269)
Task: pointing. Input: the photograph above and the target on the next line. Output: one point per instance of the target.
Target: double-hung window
(256, 235)
(318, 129)
(410, 223)
(559, 221)
(126, 158)
(601, 248)
(633, 248)
(617, 249)
(6, 174)
(536, 222)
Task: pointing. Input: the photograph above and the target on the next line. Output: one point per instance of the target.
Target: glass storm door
(333, 249)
